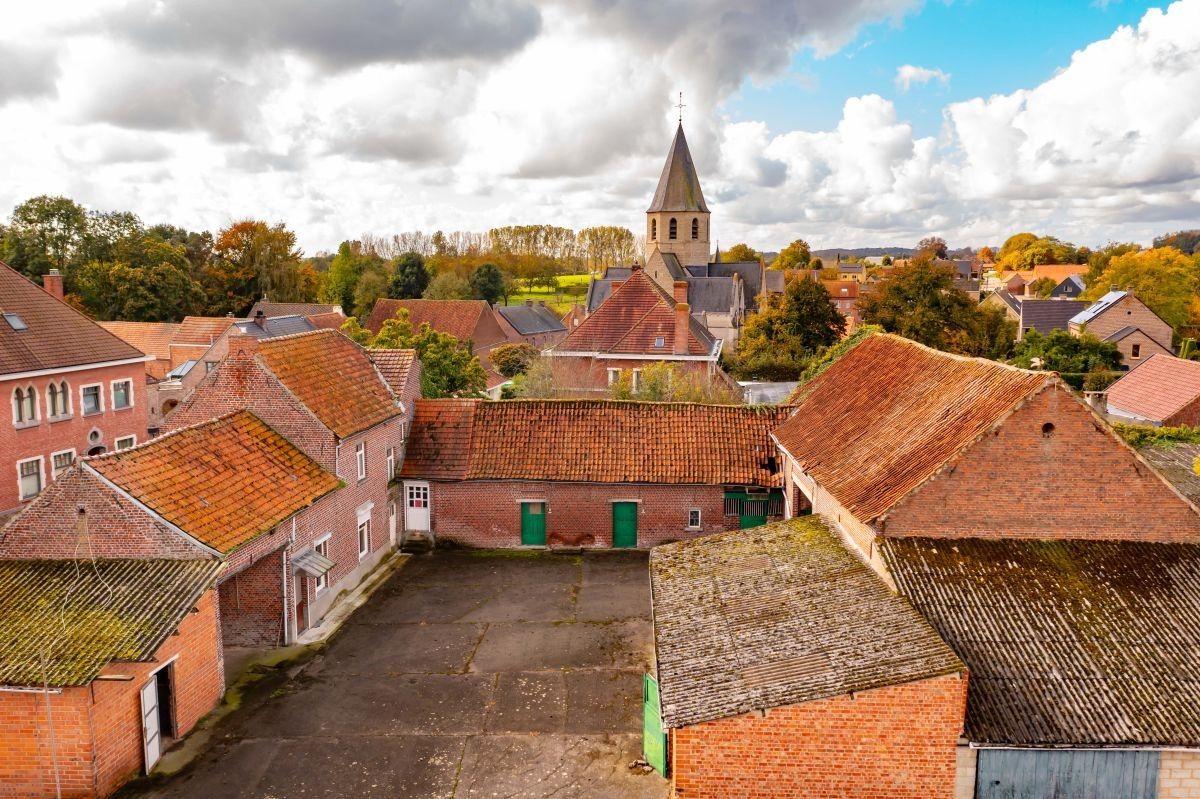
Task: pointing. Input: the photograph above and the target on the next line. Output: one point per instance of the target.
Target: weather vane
(680, 106)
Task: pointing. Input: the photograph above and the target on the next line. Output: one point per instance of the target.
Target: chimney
(528, 303)
(241, 345)
(680, 291)
(683, 312)
(260, 319)
(635, 266)
(541, 303)
(52, 282)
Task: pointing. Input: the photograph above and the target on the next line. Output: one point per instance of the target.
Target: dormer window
(673, 229)
(15, 322)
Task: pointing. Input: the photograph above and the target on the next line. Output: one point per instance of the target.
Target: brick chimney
(260, 319)
(241, 345)
(52, 282)
(683, 312)
(680, 291)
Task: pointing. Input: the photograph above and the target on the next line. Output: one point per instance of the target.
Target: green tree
(105, 231)
(1163, 278)
(740, 252)
(1042, 287)
(511, 360)
(349, 266)
(796, 255)
(447, 285)
(448, 367)
(486, 283)
(372, 285)
(409, 277)
(788, 329)
(920, 301)
(662, 381)
(44, 233)
(1060, 351)
(197, 245)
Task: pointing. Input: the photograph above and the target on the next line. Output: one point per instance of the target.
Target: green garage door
(624, 524)
(533, 524)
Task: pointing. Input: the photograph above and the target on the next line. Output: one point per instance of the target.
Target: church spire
(679, 185)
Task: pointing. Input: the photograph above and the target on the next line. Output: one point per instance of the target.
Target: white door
(151, 742)
(392, 522)
(416, 506)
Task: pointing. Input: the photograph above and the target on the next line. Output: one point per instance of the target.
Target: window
(29, 477)
(58, 399)
(322, 548)
(614, 376)
(92, 399)
(15, 322)
(25, 406)
(660, 341)
(695, 228)
(122, 394)
(125, 442)
(61, 461)
(1136, 352)
(694, 519)
(364, 536)
(672, 229)
(653, 230)
(637, 379)
(391, 462)
(360, 456)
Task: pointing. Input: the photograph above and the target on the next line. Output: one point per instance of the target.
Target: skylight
(659, 341)
(15, 322)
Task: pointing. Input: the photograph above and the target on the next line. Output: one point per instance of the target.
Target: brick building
(349, 410)
(586, 472)
(71, 387)
(1162, 391)
(1123, 319)
(787, 668)
(102, 664)
(533, 324)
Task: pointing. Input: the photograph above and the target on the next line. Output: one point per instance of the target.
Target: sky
(843, 122)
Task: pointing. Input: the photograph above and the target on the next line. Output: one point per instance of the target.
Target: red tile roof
(201, 330)
(629, 321)
(333, 377)
(152, 338)
(395, 366)
(224, 482)
(599, 441)
(459, 318)
(884, 417)
(1158, 388)
(329, 321)
(57, 335)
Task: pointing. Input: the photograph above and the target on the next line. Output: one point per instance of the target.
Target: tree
(1042, 287)
(105, 231)
(1163, 278)
(45, 233)
(448, 368)
(1099, 260)
(372, 285)
(986, 255)
(920, 301)
(197, 245)
(933, 246)
(662, 381)
(886, 261)
(796, 255)
(409, 277)
(511, 360)
(1062, 352)
(447, 285)
(487, 284)
(740, 252)
(1186, 241)
(156, 292)
(607, 245)
(787, 330)
(251, 259)
(1026, 250)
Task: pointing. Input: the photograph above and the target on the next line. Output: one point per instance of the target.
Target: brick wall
(887, 743)
(1188, 415)
(47, 437)
(1179, 774)
(588, 373)
(488, 513)
(1077, 480)
(1146, 347)
(1129, 311)
(98, 727)
(252, 604)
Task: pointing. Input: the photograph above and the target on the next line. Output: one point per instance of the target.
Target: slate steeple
(679, 185)
(677, 219)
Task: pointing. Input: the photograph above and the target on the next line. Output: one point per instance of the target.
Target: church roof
(678, 186)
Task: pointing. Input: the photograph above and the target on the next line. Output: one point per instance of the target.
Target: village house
(194, 337)
(1162, 391)
(1033, 313)
(1122, 319)
(1071, 288)
(594, 473)
(531, 323)
(639, 324)
(72, 388)
(102, 664)
(151, 338)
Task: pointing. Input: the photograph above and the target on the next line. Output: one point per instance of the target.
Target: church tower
(677, 219)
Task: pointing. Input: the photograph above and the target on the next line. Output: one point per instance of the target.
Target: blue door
(1066, 774)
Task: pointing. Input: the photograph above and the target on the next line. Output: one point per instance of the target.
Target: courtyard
(469, 674)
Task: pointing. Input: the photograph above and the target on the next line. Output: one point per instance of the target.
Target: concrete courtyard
(469, 674)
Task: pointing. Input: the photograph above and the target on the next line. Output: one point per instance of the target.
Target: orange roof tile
(152, 338)
(328, 321)
(630, 321)
(888, 414)
(395, 366)
(1058, 272)
(224, 482)
(333, 376)
(459, 318)
(201, 330)
(1157, 388)
(599, 441)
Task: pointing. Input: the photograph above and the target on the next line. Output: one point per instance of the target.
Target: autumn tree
(1099, 260)
(788, 329)
(448, 367)
(933, 246)
(986, 255)
(250, 259)
(515, 359)
(796, 255)
(662, 381)
(1163, 278)
(447, 285)
(1186, 241)
(1024, 251)
(740, 252)
(607, 246)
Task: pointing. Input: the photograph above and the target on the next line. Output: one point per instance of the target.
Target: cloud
(28, 71)
(908, 75)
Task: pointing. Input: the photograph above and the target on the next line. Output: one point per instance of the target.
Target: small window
(29, 477)
(1047, 429)
(93, 402)
(61, 461)
(695, 228)
(125, 442)
(15, 322)
(694, 519)
(360, 456)
(322, 548)
(659, 341)
(637, 379)
(614, 376)
(1136, 352)
(672, 229)
(364, 537)
(391, 462)
(122, 394)
(653, 230)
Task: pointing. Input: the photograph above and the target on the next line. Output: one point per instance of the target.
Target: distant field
(571, 289)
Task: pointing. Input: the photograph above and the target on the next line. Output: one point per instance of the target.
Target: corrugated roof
(1157, 388)
(592, 441)
(1177, 463)
(333, 377)
(678, 185)
(1098, 307)
(531, 320)
(1077, 643)
(56, 335)
(224, 482)
(777, 615)
(63, 621)
(888, 414)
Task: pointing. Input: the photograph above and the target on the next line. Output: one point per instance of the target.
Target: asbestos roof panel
(778, 615)
(1068, 643)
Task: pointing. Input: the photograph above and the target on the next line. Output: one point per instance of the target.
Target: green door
(654, 740)
(533, 524)
(624, 524)
(751, 509)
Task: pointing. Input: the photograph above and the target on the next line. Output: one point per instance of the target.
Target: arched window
(19, 406)
(52, 400)
(695, 228)
(64, 398)
(24, 405)
(672, 230)
(653, 230)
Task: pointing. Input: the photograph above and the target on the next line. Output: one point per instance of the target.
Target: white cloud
(908, 75)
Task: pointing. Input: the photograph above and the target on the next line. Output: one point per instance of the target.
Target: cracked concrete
(481, 675)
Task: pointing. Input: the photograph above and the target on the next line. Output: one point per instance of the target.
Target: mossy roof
(778, 615)
(63, 621)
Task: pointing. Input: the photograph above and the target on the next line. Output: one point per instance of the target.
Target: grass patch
(571, 289)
